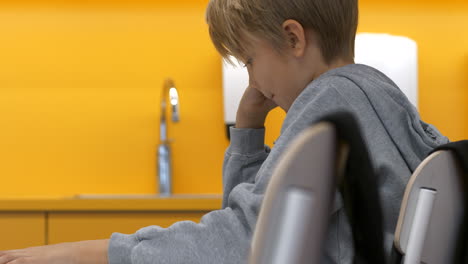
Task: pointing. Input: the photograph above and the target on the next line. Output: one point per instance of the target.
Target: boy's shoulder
(354, 79)
(353, 88)
(346, 81)
(358, 73)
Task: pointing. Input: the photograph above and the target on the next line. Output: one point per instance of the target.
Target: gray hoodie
(397, 141)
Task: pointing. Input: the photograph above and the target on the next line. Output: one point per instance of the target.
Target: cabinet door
(68, 227)
(20, 230)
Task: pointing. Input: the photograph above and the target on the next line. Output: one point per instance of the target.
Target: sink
(145, 196)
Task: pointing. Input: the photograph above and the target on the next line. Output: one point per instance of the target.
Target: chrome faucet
(164, 154)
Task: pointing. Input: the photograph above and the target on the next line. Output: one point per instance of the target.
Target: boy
(299, 55)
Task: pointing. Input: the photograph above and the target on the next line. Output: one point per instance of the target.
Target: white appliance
(235, 81)
(395, 56)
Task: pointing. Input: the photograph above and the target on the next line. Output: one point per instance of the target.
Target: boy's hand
(92, 251)
(253, 109)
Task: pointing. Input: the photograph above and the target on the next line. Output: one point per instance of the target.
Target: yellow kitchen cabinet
(20, 230)
(26, 222)
(75, 226)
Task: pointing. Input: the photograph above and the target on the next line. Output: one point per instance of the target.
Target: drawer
(20, 230)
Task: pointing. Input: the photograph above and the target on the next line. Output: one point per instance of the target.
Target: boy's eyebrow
(244, 58)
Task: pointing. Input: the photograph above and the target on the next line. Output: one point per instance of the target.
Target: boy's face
(269, 72)
(282, 75)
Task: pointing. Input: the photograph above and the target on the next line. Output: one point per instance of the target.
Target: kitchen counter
(114, 202)
(33, 221)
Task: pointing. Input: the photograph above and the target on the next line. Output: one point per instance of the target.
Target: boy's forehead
(246, 45)
(249, 41)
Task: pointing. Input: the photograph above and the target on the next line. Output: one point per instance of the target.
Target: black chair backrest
(296, 206)
(360, 192)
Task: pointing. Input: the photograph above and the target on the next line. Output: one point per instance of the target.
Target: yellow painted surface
(68, 227)
(36, 221)
(80, 84)
(60, 204)
(20, 230)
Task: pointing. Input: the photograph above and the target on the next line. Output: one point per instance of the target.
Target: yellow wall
(80, 85)
(79, 97)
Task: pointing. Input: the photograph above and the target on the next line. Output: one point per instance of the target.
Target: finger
(22, 260)
(6, 258)
(15, 251)
(10, 255)
(3, 252)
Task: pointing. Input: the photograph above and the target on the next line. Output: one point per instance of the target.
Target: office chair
(294, 216)
(432, 211)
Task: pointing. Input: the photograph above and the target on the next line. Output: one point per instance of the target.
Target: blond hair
(334, 21)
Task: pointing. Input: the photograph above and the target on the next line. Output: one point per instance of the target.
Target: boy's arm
(222, 236)
(243, 158)
(82, 252)
(247, 151)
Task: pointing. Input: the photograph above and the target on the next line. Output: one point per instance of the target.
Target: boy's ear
(296, 38)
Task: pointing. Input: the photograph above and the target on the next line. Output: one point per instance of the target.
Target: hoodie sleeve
(222, 236)
(244, 157)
